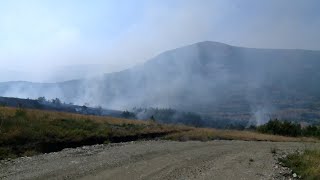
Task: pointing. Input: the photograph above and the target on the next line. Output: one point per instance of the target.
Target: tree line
(287, 128)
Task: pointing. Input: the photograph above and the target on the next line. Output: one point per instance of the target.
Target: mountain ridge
(201, 43)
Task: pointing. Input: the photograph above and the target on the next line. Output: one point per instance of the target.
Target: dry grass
(204, 134)
(54, 115)
(306, 164)
(27, 132)
(48, 116)
(24, 131)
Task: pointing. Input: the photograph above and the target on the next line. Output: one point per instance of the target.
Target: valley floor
(156, 160)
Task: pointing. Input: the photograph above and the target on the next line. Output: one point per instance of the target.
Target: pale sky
(41, 40)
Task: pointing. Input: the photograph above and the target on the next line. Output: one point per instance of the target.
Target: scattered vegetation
(305, 164)
(128, 115)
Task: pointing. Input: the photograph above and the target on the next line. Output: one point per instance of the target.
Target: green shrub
(285, 128)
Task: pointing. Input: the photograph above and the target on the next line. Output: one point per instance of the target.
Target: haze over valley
(211, 78)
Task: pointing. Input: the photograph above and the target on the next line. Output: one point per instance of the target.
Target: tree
(128, 115)
(41, 99)
(152, 119)
(56, 101)
(99, 110)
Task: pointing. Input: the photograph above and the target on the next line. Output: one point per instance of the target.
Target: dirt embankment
(156, 160)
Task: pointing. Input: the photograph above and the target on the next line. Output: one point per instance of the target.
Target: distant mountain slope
(56, 105)
(212, 78)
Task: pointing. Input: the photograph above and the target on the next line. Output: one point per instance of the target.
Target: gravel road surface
(156, 160)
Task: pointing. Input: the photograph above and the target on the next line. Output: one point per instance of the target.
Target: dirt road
(155, 160)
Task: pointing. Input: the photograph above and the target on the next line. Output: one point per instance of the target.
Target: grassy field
(205, 134)
(306, 164)
(26, 132)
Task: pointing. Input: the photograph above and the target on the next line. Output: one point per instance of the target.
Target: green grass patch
(306, 164)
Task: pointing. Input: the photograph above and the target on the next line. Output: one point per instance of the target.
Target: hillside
(218, 80)
(26, 132)
(56, 105)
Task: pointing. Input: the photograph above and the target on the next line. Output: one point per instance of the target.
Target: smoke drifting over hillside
(210, 78)
(39, 37)
(122, 55)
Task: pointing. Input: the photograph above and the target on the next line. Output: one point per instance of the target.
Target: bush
(311, 131)
(286, 128)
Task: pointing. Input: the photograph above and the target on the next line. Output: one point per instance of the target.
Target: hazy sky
(41, 40)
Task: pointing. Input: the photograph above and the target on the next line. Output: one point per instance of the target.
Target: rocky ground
(159, 160)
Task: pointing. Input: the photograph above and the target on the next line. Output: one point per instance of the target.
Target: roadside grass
(26, 132)
(205, 134)
(306, 164)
